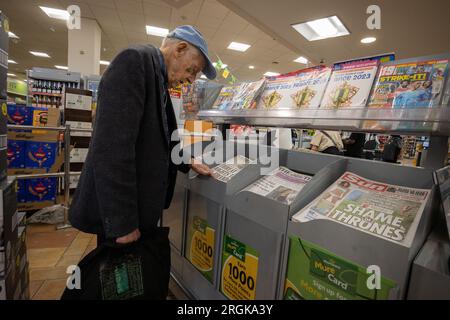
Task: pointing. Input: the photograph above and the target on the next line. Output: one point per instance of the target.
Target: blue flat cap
(194, 37)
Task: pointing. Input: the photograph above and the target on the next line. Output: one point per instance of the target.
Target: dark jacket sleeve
(120, 109)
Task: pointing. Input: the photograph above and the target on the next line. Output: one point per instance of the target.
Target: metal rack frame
(66, 174)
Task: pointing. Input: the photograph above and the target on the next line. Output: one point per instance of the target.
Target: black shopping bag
(136, 271)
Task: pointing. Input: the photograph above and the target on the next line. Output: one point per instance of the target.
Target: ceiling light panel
(320, 29)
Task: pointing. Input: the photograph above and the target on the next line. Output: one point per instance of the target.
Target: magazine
(401, 85)
(350, 85)
(225, 98)
(302, 90)
(387, 211)
(227, 170)
(246, 95)
(282, 185)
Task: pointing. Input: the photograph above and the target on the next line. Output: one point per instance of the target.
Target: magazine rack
(362, 248)
(267, 218)
(205, 199)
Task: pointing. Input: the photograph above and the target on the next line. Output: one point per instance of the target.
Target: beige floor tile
(82, 234)
(88, 250)
(34, 287)
(78, 246)
(40, 274)
(54, 239)
(41, 258)
(36, 228)
(51, 290)
(93, 241)
(67, 260)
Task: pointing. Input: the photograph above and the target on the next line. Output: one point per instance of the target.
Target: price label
(239, 270)
(201, 253)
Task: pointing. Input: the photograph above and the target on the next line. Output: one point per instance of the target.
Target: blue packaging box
(41, 189)
(40, 154)
(21, 191)
(20, 115)
(16, 153)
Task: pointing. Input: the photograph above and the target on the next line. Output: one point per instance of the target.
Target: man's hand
(200, 168)
(129, 238)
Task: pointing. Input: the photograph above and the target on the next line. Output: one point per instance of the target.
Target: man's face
(185, 63)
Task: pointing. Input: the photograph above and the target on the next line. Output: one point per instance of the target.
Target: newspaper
(442, 178)
(227, 170)
(282, 185)
(387, 211)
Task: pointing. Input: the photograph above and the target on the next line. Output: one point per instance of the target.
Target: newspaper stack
(281, 185)
(387, 211)
(227, 170)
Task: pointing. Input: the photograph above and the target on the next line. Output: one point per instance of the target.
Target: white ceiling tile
(129, 6)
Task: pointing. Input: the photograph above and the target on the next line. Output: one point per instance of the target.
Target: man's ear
(181, 48)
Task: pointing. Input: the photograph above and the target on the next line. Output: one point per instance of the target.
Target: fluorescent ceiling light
(251, 67)
(12, 35)
(56, 13)
(321, 28)
(12, 61)
(104, 62)
(302, 60)
(61, 67)
(368, 40)
(39, 54)
(238, 46)
(11, 74)
(271, 74)
(156, 31)
(223, 65)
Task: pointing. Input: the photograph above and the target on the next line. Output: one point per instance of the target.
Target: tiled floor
(50, 252)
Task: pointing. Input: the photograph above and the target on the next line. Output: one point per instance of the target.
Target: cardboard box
(16, 154)
(21, 191)
(36, 205)
(40, 154)
(34, 135)
(78, 99)
(41, 189)
(46, 117)
(20, 115)
(59, 161)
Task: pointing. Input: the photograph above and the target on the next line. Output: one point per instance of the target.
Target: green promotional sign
(200, 252)
(17, 87)
(317, 274)
(239, 270)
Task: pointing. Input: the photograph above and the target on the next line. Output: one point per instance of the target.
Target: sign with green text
(17, 87)
(315, 273)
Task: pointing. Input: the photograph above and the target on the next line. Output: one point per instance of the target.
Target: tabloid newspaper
(227, 170)
(387, 211)
(282, 185)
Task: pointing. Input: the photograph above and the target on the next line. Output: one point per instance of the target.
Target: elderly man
(128, 177)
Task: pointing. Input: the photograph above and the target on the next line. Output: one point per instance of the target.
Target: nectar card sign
(317, 274)
(239, 270)
(201, 251)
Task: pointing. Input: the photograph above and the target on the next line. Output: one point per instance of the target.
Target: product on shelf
(282, 185)
(247, 95)
(387, 211)
(302, 90)
(350, 85)
(225, 99)
(20, 115)
(227, 170)
(41, 189)
(408, 85)
(40, 154)
(16, 154)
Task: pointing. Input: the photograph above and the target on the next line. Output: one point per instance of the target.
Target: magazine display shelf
(420, 121)
(360, 247)
(205, 199)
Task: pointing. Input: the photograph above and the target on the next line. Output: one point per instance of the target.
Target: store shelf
(427, 121)
(46, 94)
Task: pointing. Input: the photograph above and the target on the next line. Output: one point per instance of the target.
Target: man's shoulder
(142, 49)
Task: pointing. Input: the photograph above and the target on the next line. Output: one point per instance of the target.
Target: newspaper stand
(363, 248)
(430, 274)
(267, 219)
(174, 218)
(206, 198)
